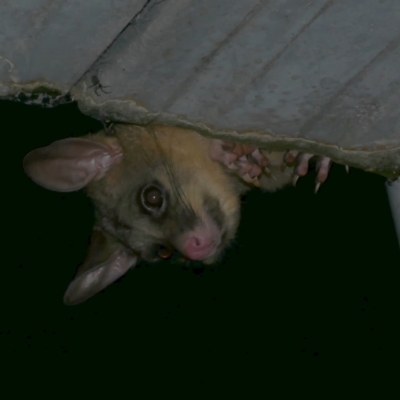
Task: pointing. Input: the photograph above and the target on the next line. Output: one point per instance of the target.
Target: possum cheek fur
(212, 215)
(209, 200)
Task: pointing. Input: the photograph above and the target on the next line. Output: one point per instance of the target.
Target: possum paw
(246, 161)
(301, 169)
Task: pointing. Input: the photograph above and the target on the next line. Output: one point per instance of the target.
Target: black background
(310, 286)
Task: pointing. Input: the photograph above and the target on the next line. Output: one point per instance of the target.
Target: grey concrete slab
(320, 76)
(50, 44)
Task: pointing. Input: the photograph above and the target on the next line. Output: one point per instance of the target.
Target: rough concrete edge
(39, 93)
(383, 162)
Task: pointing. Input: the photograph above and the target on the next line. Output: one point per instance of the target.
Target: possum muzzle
(202, 242)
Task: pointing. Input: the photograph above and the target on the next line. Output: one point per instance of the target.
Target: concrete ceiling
(321, 76)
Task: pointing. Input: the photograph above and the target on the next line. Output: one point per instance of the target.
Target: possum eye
(164, 252)
(153, 199)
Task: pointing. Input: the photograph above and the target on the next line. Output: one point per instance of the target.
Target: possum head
(156, 191)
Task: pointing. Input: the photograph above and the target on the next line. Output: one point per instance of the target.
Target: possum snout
(202, 242)
(199, 247)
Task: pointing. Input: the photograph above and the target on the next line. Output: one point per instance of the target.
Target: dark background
(310, 286)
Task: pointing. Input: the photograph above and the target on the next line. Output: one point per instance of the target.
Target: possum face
(156, 191)
(167, 198)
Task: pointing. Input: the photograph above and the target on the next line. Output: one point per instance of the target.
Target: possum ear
(70, 164)
(106, 261)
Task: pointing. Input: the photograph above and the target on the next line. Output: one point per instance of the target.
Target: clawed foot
(301, 169)
(246, 161)
(249, 163)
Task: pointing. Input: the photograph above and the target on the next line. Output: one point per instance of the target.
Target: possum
(158, 191)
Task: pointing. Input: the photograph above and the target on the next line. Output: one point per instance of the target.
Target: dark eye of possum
(153, 199)
(165, 252)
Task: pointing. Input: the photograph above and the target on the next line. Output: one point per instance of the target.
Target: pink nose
(198, 247)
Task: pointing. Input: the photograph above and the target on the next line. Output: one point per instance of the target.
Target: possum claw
(302, 164)
(254, 180)
(259, 158)
(232, 166)
(323, 167)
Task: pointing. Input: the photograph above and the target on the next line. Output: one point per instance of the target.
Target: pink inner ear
(106, 261)
(70, 164)
(90, 282)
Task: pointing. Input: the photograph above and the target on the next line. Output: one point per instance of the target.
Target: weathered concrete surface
(321, 76)
(47, 45)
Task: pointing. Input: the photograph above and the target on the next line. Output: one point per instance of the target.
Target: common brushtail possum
(158, 190)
